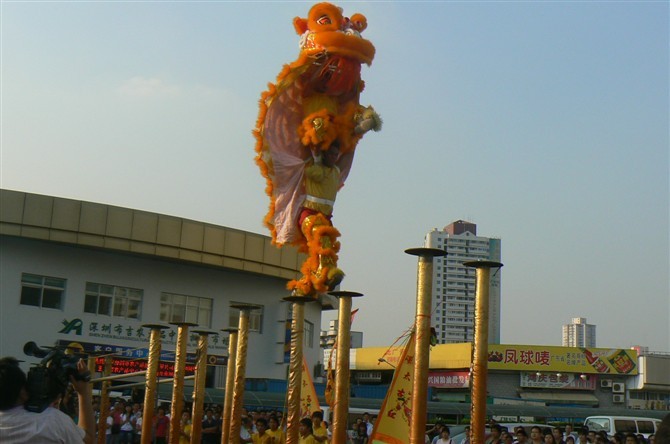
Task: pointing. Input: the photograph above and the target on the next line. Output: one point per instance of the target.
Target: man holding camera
(18, 425)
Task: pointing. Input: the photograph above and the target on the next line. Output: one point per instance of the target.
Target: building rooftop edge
(109, 227)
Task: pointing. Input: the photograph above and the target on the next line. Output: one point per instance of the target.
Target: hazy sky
(545, 123)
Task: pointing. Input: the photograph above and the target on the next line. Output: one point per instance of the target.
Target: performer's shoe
(296, 292)
(335, 276)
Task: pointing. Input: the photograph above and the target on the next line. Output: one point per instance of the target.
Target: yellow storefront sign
(536, 358)
(562, 359)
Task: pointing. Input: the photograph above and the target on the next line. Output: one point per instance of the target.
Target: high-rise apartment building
(579, 334)
(454, 284)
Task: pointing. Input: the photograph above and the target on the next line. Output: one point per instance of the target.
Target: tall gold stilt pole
(104, 401)
(199, 385)
(240, 371)
(480, 355)
(230, 383)
(424, 292)
(295, 368)
(177, 406)
(151, 378)
(342, 371)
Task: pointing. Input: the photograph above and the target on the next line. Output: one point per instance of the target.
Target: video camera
(51, 376)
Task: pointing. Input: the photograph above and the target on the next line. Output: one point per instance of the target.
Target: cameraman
(17, 425)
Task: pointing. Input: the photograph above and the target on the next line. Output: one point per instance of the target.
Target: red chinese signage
(124, 366)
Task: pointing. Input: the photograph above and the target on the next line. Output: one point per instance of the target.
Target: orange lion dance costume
(309, 124)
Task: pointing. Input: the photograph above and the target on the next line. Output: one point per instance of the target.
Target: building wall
(23, 323)
(86, 242)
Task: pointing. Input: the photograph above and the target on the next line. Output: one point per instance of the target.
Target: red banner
(123, 366)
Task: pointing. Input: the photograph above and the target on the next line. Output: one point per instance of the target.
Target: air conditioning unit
(618, 387)
(618, 399)
(605, 383)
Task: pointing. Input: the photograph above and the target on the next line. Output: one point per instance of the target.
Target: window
(645, 426)
(309, 334)
(42, 291)
(110, 300)
(255, 317)
(181, 308)
(625, 425)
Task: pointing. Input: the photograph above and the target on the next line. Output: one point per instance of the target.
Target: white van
(353, 414)
(623, 424)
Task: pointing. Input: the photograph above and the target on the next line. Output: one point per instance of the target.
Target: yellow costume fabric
(265, 439)
(309, 439)
(321, 185)
(187, 430)
(278, 435)
(320, 431)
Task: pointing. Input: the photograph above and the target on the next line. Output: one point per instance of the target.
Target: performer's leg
(320, 271)
(323, 247)
(328, 273)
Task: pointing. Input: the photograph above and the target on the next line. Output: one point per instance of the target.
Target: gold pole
(152, 373)
(179, 373)
(480, 355)
(159, 381)
(424, 292)
(104, 401)
(91, 368)
(342, 371)
(230, 382)
(122, 376)
(240, 370)
(199, 388)
(90, 362)
(295, 368)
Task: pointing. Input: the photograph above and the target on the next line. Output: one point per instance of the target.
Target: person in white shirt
(18, 426)
(127, 425)
(444, 436)
(368, 423)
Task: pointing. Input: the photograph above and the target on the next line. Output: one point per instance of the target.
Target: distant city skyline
(544, 123)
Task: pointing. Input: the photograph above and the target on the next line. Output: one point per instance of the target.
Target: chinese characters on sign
(449, 379)
(131, 332)
(558, 381)
(123, 366)
(527, 357)
(562, 359)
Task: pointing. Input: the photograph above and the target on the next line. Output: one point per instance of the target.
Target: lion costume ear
(300, 25)
(359, 21)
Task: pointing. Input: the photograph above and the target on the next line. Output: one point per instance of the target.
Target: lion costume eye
(324, 20)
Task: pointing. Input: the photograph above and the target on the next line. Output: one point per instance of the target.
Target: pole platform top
(204, 332)
(344, 294)
(152, 326)
(230, 329)
(184, 324)
(426, 252)
(245, 306)
(483, 264)
(299, 299)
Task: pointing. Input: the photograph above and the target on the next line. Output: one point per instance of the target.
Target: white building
(454, 284)
(83, 273)
(579, 334)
